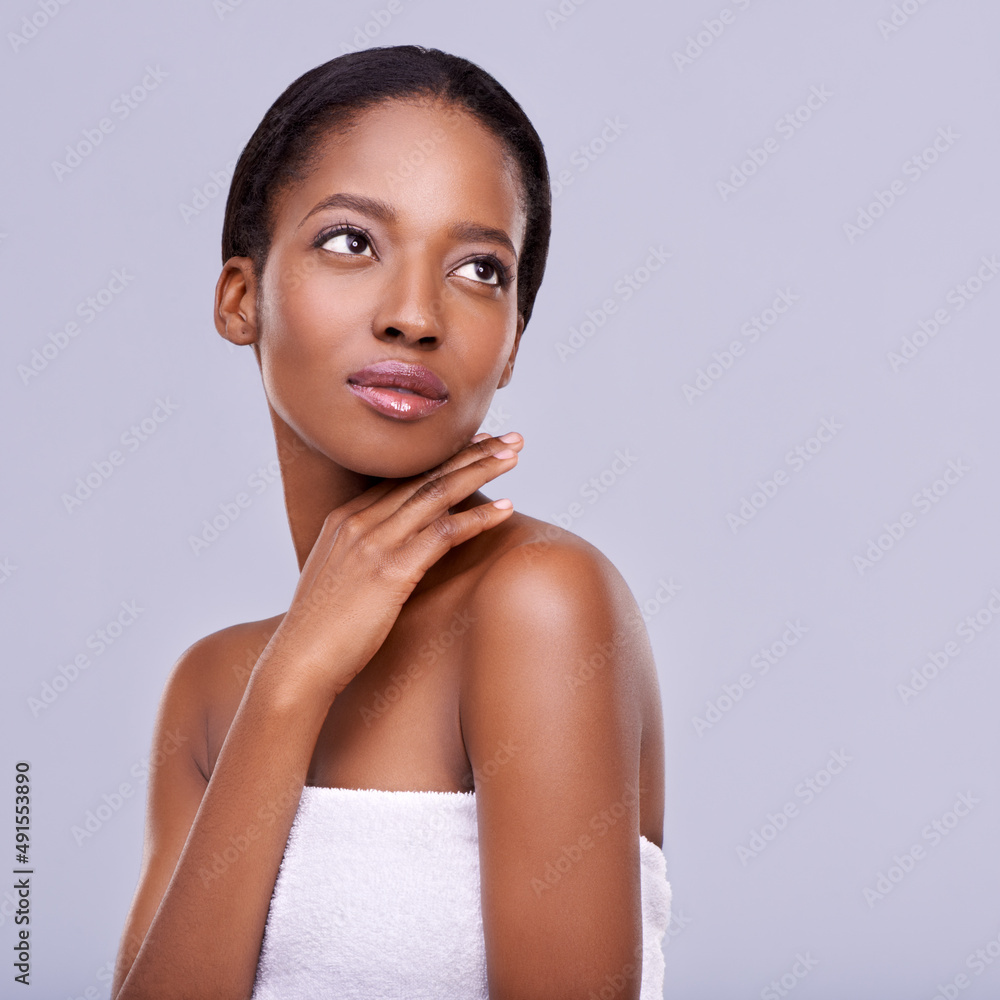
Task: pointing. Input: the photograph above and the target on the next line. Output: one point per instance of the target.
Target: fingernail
(506, 453)
(510, 438)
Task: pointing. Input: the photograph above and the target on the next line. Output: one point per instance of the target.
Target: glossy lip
(379, 385)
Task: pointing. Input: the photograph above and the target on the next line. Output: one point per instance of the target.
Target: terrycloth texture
(378, 897)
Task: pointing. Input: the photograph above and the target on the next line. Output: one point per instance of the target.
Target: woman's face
(400, 246)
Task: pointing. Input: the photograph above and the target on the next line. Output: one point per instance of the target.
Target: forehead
(433, 162)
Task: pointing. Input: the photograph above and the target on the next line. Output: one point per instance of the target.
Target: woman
(459, 711)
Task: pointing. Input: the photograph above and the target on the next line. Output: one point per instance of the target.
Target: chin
(400, 461)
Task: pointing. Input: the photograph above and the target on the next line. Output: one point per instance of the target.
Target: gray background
(739, 921)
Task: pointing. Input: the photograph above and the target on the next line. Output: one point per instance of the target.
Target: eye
(485, 270)
(347, 240)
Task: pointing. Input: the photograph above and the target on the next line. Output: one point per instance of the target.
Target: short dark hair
(333, 96)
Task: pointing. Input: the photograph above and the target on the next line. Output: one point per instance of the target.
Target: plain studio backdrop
(760, 376)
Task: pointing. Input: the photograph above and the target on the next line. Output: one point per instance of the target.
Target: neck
(314, 486)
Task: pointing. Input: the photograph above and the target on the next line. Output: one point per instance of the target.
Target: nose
(411, 308)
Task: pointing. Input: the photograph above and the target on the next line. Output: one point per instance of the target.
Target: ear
(236, 302)
(508, 370)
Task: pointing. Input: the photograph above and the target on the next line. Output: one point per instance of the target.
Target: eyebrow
(384, 213)
(472, 231)
(370, 206)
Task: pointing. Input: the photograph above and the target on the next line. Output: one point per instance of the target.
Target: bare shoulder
(559, 648)
(207, 681)
(552, 611)
(562, 725)
(201, 686)
(558, 579)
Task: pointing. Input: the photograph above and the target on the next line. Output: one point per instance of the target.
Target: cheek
(481, 332)
(307, 324)
(484, 366)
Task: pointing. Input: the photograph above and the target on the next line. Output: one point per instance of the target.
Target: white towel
(378, 897)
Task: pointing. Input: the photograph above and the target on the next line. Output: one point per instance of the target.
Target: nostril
(394, 333)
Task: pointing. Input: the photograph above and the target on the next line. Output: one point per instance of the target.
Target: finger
(363, 500)
(449, 530)
(486, 446)
(384, 499)
(471, 453)
(432, 498)
(480, 447)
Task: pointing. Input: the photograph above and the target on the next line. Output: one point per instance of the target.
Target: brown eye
(348, 241)
(483, 271)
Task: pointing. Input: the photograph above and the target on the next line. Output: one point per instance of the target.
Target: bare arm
(555, 683)
(213, 847)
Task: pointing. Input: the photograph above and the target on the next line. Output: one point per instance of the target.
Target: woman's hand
(214, 844)
(372, 552)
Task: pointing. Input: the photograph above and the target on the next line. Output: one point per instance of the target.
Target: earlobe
(235, 302)
(508, 370)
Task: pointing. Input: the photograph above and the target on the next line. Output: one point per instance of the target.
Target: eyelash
(504, 273)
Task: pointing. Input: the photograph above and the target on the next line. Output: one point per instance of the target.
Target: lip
(381, 384)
